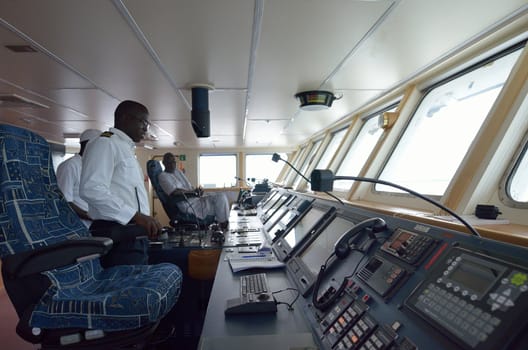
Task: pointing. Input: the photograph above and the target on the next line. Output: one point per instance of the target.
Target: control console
(473, 298)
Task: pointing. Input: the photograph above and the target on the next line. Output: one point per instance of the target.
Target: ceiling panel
(199, 41)
(34, 71)
(93, 38)
(404, 44)
(264, 133)
(302, 42)
(93, 54)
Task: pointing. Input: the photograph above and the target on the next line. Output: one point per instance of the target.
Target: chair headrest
(153, 171)
(34, 212)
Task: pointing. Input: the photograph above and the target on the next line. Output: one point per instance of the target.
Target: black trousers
(126, 250)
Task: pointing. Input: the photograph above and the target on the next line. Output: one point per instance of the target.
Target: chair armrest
(54, 256)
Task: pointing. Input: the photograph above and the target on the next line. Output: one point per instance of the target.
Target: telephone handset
(342, 247)
(341, 251)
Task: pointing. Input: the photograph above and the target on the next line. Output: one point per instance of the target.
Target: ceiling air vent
(15, 101)
(20, 48)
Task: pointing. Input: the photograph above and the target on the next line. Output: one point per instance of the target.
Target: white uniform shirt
(68, 178)
(175, 180)
(112, 181)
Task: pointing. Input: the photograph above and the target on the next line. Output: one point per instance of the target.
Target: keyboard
(253, 284)
(255, 296)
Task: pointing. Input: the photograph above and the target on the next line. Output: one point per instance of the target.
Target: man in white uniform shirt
(175, 183)
(69, 175)
(112, 183)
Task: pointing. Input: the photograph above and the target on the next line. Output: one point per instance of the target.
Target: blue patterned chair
(50, 262)
(169, 203)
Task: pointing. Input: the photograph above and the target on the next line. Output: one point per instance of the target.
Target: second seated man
(175, 183)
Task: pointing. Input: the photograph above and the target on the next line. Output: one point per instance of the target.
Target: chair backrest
(170, 203)
(153, 171)
(33, 210)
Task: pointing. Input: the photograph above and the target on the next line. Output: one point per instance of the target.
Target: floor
(8, 321)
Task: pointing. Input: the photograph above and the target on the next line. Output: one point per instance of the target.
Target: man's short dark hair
(166, 156)
(130, 107)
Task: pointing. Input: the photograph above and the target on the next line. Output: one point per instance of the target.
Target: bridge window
(360, 150)
(260, 166)
(296, 163)
(518, 182)
(331, 149)
(307, 162)
(217, 170)
(443, 127)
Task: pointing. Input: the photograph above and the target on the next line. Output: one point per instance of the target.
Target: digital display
(275, 217)
(373, 265)
(278, 204)
(295, 203)
(301, 229)
(320, 249)
(470, 274)
(269, 202)
(286, 219)
(402, 238)
(274, 203)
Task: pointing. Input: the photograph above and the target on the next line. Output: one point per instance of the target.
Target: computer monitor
(277, 215)
(284, 199)
(307, 261)
(306, 225)
(268, 200)
(296, 208)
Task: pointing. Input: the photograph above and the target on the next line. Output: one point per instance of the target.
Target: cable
(414, 193)
(323, 179)
(325, 304)
(290, 305)
(276, 157)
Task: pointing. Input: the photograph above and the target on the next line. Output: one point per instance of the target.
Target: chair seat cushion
(117, 298)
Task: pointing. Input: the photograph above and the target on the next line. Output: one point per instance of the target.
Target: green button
(518, 279)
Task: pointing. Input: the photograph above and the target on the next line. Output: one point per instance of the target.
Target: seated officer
(112, 183)
(175, 183)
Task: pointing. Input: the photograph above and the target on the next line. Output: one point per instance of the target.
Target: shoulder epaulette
(107, 134)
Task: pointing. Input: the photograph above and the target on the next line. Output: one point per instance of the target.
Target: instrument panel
(414, 286)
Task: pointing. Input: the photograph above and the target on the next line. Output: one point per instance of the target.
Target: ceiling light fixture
(315, 100)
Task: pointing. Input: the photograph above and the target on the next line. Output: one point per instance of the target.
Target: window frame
(333, 133)
(319, 142)
(424, 92)
(504, 193)
(375, 114)
(299, 157)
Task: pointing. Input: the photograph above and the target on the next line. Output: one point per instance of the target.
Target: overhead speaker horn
(200, 116)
